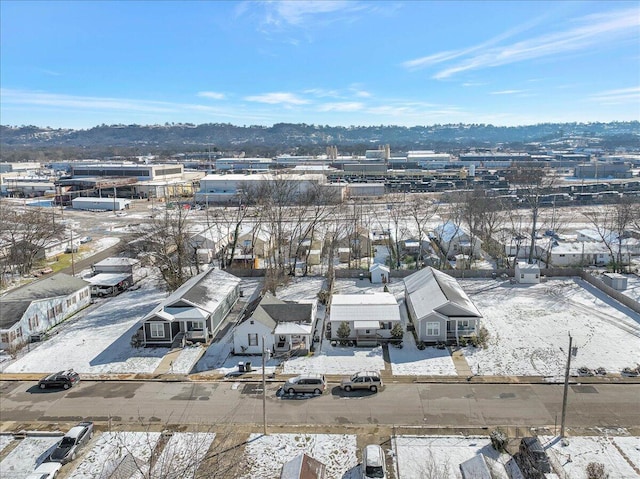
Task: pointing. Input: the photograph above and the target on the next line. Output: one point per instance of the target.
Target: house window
(521, 275)
(196, 326)
(4, 338)
(433, 329)
(157, 330)
(253, 339)
(463, 324)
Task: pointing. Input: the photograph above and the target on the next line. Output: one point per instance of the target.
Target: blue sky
(83, 63)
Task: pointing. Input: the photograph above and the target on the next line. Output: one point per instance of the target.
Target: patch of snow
(98, 339)
(336, 360)
(5, 440)
(110, 448)
(582, 450)
(187, 359)
(267, 454)
(29, 454)
(181, 456)
(418, 457)
(529, 325)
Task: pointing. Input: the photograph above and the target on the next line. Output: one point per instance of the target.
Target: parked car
(308, 383)
(46, 470)
(71, 249)
(61, 379)
(533, 455)
(67, 448)
(373, 465)
(85, 239)
(370, 380)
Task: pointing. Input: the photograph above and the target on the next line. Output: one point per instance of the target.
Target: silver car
(308, 383)
(369, 380)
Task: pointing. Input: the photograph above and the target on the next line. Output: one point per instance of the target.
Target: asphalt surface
(237, 402)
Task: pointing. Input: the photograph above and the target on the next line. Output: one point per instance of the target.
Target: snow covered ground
(29, 454)
(529, 327)
(266, 454)
(418, 457)
(108, 450)
(580, 451)
(98, 339)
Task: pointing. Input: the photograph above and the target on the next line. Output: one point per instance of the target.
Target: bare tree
(612, 223)
(421, 210)
(26, 234)
(169, 243)
(532, 184)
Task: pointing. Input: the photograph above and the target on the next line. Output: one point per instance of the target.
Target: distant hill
(312, 139)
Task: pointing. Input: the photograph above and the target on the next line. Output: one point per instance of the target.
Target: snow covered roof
(528, 268)
(292, 328)
(432, 290)
(303, 467)
(276, 313)
(117, 261)
(449, 230)
(108, 279)
(361, 307)
(205, 291)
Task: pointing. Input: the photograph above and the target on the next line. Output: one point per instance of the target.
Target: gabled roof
(273, 311)
(117, 261)
(361, 307)
(204, 292)
(15, 303)
(449, 230)
(432, 290)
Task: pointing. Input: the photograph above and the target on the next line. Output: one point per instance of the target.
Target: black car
(67, 448)
(61, 379)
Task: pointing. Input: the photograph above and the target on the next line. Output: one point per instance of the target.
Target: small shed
(379, 273)
(303, 467)
(527, 273)
(116, 265)
(616, 281)
(475, 468)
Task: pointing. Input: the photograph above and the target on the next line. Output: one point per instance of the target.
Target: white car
(46, 470)
(373, 464)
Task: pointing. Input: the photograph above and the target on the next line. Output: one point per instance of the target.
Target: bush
(499, 440)
(595, 470)
(323, 296)
(397, 332)
(344, 331)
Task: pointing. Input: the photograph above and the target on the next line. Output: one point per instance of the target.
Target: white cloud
(508, 92)
(275, 98)
(342, 106)
(211, 94)
(588, 31)
(299, 12)
(614, 97)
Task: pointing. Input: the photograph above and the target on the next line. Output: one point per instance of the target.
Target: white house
(195, 311)
(285, 326)
(370, 316)
(439, 308)
(37, 307)
(527, 273)
(454, 240)
(379, 273)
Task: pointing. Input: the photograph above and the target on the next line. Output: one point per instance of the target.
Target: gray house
(193, 312)
(33, 309)
(439, 308)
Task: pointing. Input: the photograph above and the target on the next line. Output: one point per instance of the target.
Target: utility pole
(566, 388)
(73, 266)
(264, 393)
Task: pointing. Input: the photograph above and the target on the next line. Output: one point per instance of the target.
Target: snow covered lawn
(29, 454)
(110, 448)
(98, 339)
(418, 457)
(181, 456)
(529, 326)
(267, 454)
(582, 450)
(337, 360)
(5, 440)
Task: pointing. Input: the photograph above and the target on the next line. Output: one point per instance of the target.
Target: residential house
(454, 239)
(116, 265)
(193, 312)
(303, 466)
(35, 308)
(439, 308)
(285, 326)
(370, 316)
(353, 243)
(527, 273)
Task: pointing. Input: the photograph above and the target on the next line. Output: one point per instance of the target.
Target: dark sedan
(67, 449)
(61, 379)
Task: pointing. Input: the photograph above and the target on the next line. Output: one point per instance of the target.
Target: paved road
(457, 405)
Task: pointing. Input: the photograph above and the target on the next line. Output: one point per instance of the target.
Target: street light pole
(73, 266)
(264, 393)
(566, 388)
